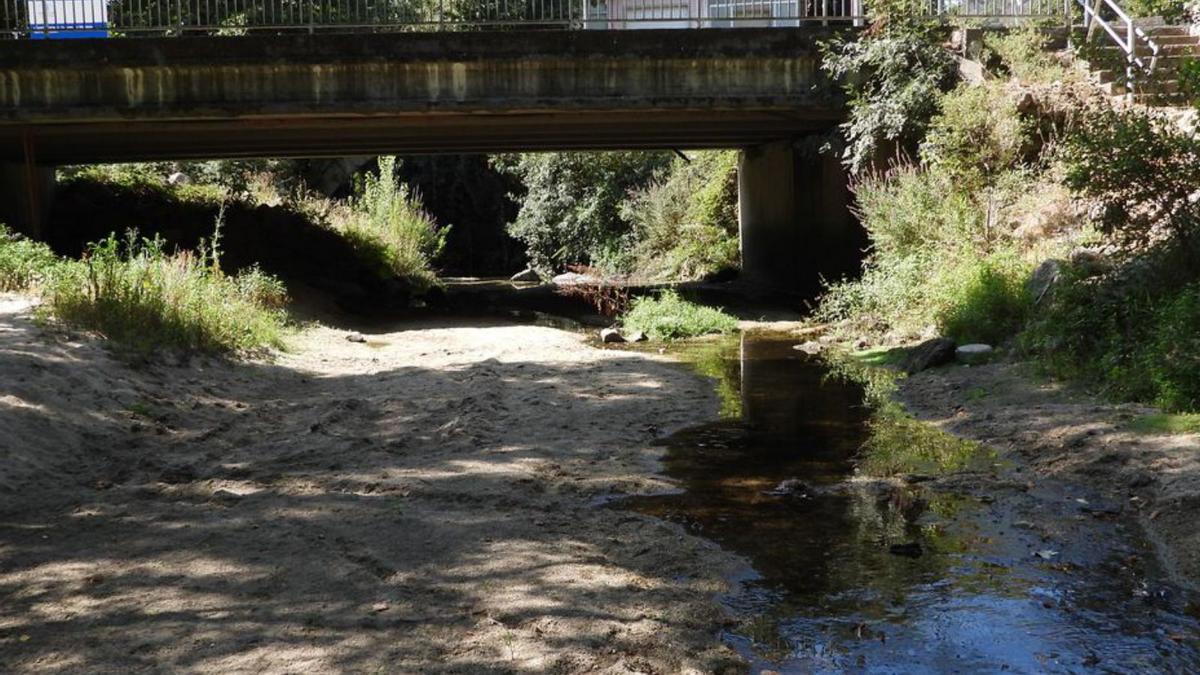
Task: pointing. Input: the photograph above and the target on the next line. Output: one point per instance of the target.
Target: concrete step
(1166, 51)
(1167, 30)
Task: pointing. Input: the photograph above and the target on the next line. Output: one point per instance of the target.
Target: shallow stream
(982, 568)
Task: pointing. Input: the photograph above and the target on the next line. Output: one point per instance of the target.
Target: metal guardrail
(1124, 34)
(36, 19)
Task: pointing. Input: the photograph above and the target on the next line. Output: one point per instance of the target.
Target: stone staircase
(1161, 87)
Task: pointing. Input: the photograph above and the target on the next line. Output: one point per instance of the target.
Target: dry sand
(1062, 432)
(425, 502)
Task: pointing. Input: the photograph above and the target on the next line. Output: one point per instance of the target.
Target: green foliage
(387, 227)
(669, 317)
(570, 212)
(893, 74)
(1023, 52)
(1189, 80)
(977, 136)
(939, 258)
(1171, 10)
(24, 264)
(685, 223)
(985, 302)
(136, 294)
(1134, 334)
(146, 177)
(1139, 171)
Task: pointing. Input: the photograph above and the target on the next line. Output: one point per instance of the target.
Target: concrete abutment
(26, 194)
(796, 224)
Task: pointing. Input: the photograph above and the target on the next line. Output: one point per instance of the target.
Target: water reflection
(860, 573)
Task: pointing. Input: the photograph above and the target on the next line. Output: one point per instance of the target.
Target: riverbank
(1062, 432)
(423, 501)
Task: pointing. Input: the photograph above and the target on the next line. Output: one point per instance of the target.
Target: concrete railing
(39, 19)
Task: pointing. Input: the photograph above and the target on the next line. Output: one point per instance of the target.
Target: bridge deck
(302, 95)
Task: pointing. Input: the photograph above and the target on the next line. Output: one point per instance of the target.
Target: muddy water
(984, 571)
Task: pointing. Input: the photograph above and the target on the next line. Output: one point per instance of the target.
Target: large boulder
(576, 279)
(929, 354)
(1043, 279)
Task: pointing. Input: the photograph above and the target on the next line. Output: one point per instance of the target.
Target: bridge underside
(407, 133)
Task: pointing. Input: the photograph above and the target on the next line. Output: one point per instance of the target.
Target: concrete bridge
(300, 95)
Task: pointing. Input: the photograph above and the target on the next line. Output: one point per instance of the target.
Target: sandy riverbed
(424, 502)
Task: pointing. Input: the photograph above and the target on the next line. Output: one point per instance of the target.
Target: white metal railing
(129, 18)
(1126, 35)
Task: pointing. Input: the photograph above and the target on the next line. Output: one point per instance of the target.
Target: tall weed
(133, 292)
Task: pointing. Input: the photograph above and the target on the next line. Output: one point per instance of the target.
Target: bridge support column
(26, 193)
(794, 215)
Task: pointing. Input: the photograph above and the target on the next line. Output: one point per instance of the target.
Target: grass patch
(24, 264)
(388, 228)
(669, 317)
(136, 294)
(1167, 423)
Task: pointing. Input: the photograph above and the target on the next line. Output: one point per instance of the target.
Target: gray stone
(1089, 262)
(526, 275)
(178, 178)
(574, 279)
(974, 354)
(611, 335)
(929, 354)
(1042, 282)
(812, 347)
(356, 337)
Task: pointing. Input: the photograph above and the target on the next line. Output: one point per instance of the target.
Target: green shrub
(1139, 170)
(894, 74)
(1134, 334)
(388, 228)
(939, 259)
(685, 223)
(570, 210)
(24, 263)
(669, 317)
(136, 294)
(1189, 80)
(978, 136)
(1023, 53)
(985, 302)
(1171, 10)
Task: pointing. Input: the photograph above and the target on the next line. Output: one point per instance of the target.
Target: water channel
(991, 571)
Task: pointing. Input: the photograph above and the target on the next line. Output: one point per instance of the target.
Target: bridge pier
(26, 193)
(794, 215)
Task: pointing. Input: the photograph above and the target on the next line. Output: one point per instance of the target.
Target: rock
(637, 336)
(929, 354)
(1089, 262)
(909, 550)
(178, 178)
(611, 335)
(1043, 279)
(792, 487)
(812, 347)
(356, 337)
(575, 279)
(526, 275)
(974, 354)
(226, 497)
